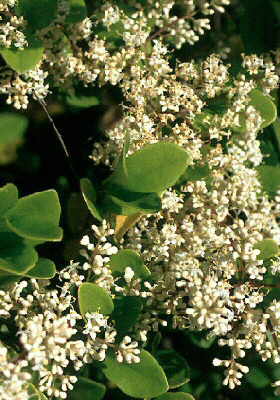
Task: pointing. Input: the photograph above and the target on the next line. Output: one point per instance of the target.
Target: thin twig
(59, 137)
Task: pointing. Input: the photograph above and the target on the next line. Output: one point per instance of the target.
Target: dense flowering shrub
(185, 232)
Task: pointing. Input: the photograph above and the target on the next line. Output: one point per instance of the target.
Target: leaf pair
(25, 223)
(135, 186)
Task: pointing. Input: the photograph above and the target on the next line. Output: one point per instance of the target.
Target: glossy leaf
(8, 198)
(264, 106)
(15, 255)
(89, 195)
(175, 367)
(23, 60)
(129, 258)
(126, 313)
(152, 169)
(38, 13)
(141, 380)
(37, 216)
(175, 396)
(269, 177)
(93, 298)
(77, 12)
(268, 248)
(195, 173)
(12, 127)
(131, 203)
(44, 269)
(86, 389)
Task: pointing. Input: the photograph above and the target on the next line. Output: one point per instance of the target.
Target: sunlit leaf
(129, 258)
(93, 298)
(141, 380)
(37, 216)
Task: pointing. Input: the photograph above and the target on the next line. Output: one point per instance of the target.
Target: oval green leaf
(175, 396)
(44, 269)
(37, 216)
(93, 298)
(268, 248)
(175, 367)
(269, 177)
(141, 380)
(152, 169)
(23, 60)
(89, 195)
(16, 256)
(86, 389)
(264, 106)
(38, 13)
(8, 198)
(131, 203)
(129, 258)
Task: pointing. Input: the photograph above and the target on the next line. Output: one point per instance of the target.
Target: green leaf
(140, 380)
(15, 255)
(12, 127)
(175, 396)
(129, 258)
(258, 378)
(132, 203)
(86, 389)
(44, 269)
(7, 279)
(264, 106)
(201, 339)
(26, 59)
(152, 169)
(37, 216)
(78, 11)
(38, 13)
(268, 248)
(175, 367)
(89, 195)
(126, 313)
(93, 298)
(34, 393)
(195, 173)
(269, 177)
(8, 198)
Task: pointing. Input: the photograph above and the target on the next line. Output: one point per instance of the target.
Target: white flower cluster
(75, 53)
(11, 26)
(47, 333)
(200, 248)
